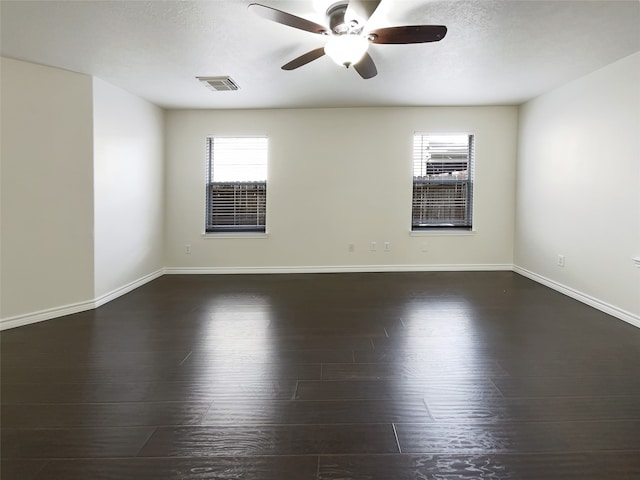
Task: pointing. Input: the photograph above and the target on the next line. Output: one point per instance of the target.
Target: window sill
(442, 233)
(217, 235)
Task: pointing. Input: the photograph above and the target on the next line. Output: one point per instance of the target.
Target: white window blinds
(442, 181)
(236, 184)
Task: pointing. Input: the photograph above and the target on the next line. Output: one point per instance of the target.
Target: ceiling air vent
(219, 84)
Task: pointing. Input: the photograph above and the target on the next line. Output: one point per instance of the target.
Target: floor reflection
(237, 349)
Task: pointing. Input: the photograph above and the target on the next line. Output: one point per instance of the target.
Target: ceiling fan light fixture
(347, 49)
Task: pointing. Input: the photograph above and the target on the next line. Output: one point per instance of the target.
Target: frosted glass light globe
(347, 49)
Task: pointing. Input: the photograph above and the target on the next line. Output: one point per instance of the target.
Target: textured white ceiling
(496, 52)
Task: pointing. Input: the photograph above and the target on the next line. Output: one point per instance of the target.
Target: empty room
(320, 239)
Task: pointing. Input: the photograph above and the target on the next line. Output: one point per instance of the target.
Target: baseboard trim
(581, 297)
(334, 269)
(42, 315)
(48, 314)
(118, 292)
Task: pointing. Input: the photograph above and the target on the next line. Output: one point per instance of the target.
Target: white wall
(47, 189)
(340, 176)
(577, 187)
(128, 188)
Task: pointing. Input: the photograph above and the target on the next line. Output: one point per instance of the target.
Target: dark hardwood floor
(389, 376)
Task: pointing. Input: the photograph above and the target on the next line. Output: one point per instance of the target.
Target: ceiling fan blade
(304, 59)
(365, 67)
(287, 19)
(361, 9)
(408, 34)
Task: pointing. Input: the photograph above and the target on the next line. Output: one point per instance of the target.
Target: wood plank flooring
(376, 376)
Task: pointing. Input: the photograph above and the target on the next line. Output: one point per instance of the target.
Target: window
(236, 190)
(442, 181)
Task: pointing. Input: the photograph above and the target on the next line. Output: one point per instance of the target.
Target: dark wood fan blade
(304, 59)
(287, 19)
(365, 67)
(409, 34)
(361, 9)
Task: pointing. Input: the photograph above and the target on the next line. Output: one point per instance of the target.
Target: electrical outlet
(187, 248)
(374, 246)
(560, 260)
(387, 246)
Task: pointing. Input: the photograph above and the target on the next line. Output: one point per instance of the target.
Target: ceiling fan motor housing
(336, 13)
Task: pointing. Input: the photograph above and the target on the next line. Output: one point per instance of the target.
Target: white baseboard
(48, 314)
(118, 292)
(581, 297)
(42, 315)
(335, 269)
(34, 317)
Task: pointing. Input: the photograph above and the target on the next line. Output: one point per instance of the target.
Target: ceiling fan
(348, 40)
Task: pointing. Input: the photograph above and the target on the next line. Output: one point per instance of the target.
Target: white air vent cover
(219, 84)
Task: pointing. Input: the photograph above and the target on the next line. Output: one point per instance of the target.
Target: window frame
(251, 189)
(467, 225)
